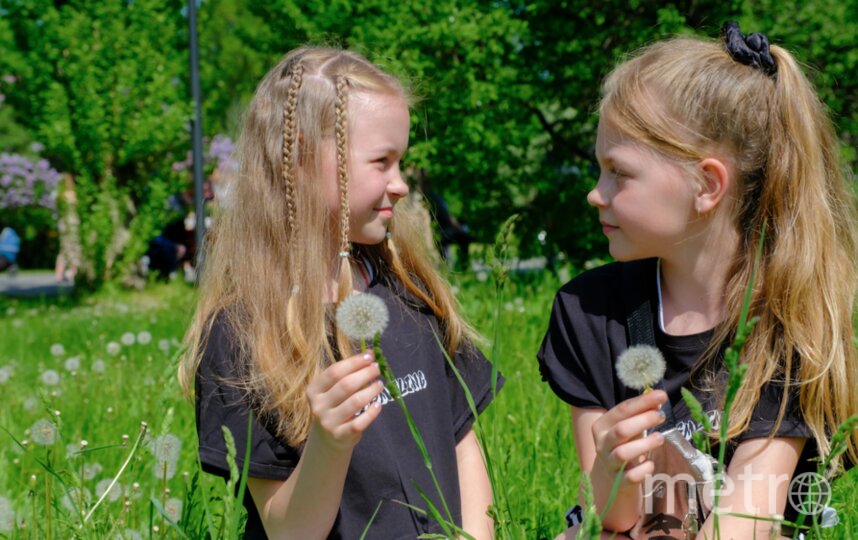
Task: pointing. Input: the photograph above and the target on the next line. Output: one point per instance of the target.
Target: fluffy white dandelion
(166, 449)
(72, 363)
(362, 316)
(164, 345)
(113, 348)
(7, 515)
(77, 500)
(129, 534)
(91, 470)
(115, 491)
(57, 349)
(127, 338)
(50, 377)
(44, 432)
(72, 451)
(98, 366)
(640, 367)
(173, 509)
(5, 374)
(30, 403)
(144, 338)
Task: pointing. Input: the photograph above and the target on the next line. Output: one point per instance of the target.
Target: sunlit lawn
(99, 368)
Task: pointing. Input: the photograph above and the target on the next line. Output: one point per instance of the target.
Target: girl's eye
(616, 173)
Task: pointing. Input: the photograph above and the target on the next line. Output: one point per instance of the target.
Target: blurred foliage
(504, 121)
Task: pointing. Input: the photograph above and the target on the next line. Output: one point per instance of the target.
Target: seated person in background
(10, 244)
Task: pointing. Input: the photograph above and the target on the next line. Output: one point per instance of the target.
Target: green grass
(527, 427)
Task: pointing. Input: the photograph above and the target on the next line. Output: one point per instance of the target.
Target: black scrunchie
(751, 50)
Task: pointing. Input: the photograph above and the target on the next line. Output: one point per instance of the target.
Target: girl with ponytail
(318, 211)
(702, 146)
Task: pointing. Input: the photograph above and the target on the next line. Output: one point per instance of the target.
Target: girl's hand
(618, 437)
(337, 397)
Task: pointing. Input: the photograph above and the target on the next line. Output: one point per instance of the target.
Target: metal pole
(197, 136)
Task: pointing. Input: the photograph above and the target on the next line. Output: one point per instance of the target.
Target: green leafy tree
(100, 85)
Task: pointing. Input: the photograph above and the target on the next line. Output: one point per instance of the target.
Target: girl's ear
(717, 178)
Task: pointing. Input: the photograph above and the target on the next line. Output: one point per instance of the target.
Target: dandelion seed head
(173, 509)
(72, 451)
(7, 515)
(164, 345)
(98, 366)
(76, 499)
(113, 348)
(91, 470)
(72, 363)
(640, 367)
(144, 338)
(5, 374)
(50, 377)
(57, 349)
(115, 491)
(129, 534)
(44, 432)
(362, 316)
(166, 449)
(127, 339)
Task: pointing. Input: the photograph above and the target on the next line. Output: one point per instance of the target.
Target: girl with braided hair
(318, 210)
(702, 147)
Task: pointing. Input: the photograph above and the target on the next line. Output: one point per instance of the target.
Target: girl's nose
(596, 196)
(397, 187)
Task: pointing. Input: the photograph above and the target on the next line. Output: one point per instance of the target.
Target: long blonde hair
(271, 252)
(686, 98)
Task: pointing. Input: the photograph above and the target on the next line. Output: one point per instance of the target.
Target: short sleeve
(476, 372)
(575, 358)
(220, 403)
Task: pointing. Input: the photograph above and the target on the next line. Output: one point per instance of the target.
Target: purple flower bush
(27, 181)
(219, 154)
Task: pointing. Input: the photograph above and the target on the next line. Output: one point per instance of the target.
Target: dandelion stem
(92, 510)
(48, 495)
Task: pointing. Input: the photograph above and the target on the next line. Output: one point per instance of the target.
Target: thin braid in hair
(290, 133)
(342, 165)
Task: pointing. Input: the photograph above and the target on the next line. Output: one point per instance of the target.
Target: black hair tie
(751, 50)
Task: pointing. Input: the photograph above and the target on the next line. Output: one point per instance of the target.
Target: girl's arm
(475, 488)
(758, 480)
(605, 440)
(306, 504)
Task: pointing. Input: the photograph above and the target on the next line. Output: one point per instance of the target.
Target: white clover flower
(50, 377)
(166, 449)
(72, 363)
(164, 345)
(77, 499)
(7, 515)
(44, 432)
(57, 349)
(173, 509)
(115, 491)
(362, 316)
(113, 348)
(640, 367)
(5, 374)
(127, 339)
(98, 366)
(91, 470)
(144, 338)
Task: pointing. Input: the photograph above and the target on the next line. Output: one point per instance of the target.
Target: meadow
(78, 379)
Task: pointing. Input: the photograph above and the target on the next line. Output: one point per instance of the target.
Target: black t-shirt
(588, 331)
(386, 464)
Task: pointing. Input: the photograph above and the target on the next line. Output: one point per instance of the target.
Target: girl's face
(645, 200)
(379, 125)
